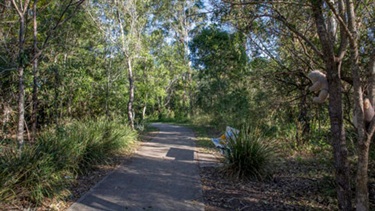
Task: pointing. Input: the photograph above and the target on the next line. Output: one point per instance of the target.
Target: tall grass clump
(81, 145)
(102, 139)
(29, 175)
(46, 168)
(250, 156)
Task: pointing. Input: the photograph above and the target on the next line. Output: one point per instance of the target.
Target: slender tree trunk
(338, 139)
(131, 94)
(371, 71)
(362, 196)
(21, 107)
(183, 32)
(21, 10)
(108, 88)
(34, 114)
(144, 112)
(364, 140)
(129, 62)
(56, 101)
(303, 122)
(145, 105)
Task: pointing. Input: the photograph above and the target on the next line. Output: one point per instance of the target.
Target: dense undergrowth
(262, 158)
(47, 167)
(310, 160)
(259, 147)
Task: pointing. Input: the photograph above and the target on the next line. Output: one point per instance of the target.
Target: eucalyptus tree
(46, 28)
(22, 8)
(338, 30)
(171, 64)
(181, 19)
(35, 71)
(220, 59)
(152, 80)
(166, 73)
(130, 17)
(75, 72)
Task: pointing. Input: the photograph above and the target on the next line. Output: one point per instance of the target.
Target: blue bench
(222, 142)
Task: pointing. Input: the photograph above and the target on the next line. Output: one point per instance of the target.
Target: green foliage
(222, 75)
(47, 167)
(101, 139)
(30, 175)
(170, 118)
(250, 155)
(203, 133)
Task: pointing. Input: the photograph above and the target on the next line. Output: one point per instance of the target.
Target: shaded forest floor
(301, 180)
(294, 186)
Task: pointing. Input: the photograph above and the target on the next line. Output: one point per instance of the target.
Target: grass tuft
(250, 156)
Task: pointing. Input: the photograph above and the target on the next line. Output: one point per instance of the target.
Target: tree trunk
(362, 196)
(144, 112)
(108, 88)
(21, 107)
(21, 10)
(56, 101)
(338, 139)
(131, 94)
(371, 71)
(128, 56)
(34, 114)
(303, 122)
(364, 138)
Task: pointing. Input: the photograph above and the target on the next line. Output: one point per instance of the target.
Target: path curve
(162, 175)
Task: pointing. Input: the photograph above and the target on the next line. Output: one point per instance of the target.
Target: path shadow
(181, 154)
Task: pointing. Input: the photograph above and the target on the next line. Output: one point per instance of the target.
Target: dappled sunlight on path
(163, 175)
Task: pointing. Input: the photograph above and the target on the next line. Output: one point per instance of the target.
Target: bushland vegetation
(78, 77)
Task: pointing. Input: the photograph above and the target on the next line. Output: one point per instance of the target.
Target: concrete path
(162, 175)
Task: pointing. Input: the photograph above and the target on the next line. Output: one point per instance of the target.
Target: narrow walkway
(163, 175)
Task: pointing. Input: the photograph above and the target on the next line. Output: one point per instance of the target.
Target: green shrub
(47, 167)
(250, 155)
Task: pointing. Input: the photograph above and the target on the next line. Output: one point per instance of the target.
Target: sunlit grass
(204, 134)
